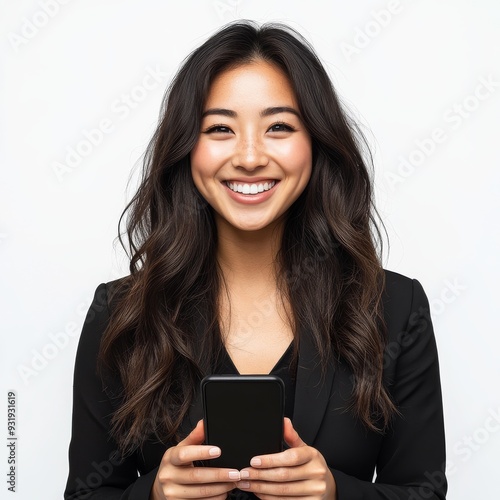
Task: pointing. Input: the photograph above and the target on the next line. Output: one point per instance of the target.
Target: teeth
(250, 188)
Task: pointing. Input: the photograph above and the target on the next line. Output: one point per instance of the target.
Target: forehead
(257, 84)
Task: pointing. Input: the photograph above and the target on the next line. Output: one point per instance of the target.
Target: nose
(249, 154)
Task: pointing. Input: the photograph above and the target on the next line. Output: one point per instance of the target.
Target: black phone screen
(243, 416)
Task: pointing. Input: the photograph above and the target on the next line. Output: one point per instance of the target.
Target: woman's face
(253, 157)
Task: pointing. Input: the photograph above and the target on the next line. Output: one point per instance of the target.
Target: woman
(253, 250)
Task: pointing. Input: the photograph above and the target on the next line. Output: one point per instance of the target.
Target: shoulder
(410, 334)
(403, 300)
(397, 286)
(93, 330)
(93, 326)
(97, 318)
(98, 315)
(116, 289)
(397, 296)
(102, 304)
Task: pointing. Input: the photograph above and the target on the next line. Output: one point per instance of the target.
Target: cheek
(206, 160)
(207, 157)
(197, 160)
(197, 166)
(296, 156)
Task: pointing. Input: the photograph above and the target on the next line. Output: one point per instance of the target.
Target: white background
(403, 73)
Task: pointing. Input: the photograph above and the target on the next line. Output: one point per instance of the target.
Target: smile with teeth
(250, 188)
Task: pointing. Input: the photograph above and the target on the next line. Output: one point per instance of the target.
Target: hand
(299, 471)
(178, 477)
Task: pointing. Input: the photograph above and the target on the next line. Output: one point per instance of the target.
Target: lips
(251, 194)
(250, 188)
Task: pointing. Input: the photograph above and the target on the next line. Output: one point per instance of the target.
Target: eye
(281, 127)
(217, 129)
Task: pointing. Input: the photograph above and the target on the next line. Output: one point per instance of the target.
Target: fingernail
(243, 484)
(234, 474)
(244, 474)
(213, 452)
(255, 462)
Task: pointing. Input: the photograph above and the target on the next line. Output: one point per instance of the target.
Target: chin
(257, 226)
(250, 224)
(250, 227)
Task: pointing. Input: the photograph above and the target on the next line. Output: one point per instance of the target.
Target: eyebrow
(265, 112)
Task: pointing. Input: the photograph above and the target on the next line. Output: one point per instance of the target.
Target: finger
(197, 490)
(283, 490)
(288, 458)
(190, 448)
(277, 474)
(196, 436)
(186, 455)
(290, 435)
(202, 475)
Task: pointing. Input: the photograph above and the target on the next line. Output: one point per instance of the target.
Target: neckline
(275, 368)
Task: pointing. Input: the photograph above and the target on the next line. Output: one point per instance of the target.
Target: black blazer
(409, 459)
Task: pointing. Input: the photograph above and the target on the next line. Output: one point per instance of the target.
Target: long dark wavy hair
(163, 331)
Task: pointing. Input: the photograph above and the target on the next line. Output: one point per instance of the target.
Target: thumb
(290, 435)
(196, 436)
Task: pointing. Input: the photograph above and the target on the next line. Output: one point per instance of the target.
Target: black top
(282, 369)
(408, 458)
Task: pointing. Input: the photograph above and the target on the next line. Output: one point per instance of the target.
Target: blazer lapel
(312, 393)
(312, 390)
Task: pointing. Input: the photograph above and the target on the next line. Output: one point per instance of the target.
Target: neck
(248, 258)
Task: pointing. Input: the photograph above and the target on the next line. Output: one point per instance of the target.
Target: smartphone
(243, 416)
